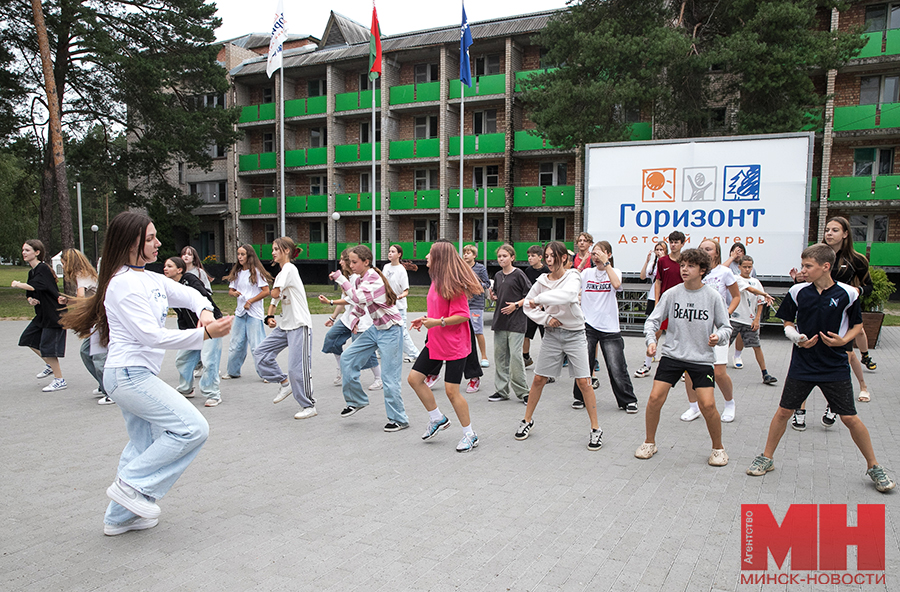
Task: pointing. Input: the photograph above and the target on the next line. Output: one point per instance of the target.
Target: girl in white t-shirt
(249, 283)
(397, 276)
(292, 331)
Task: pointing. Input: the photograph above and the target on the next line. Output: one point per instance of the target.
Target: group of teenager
(120, 314)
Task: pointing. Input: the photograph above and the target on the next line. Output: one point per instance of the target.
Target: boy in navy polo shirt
(828, 314)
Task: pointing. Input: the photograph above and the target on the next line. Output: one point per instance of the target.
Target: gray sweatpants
(299, 344)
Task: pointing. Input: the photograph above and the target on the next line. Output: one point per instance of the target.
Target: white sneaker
(198, 372)
(338, 380)
(690, 414)
(229, 377)
(306, 413)
(641, 372)
(47, 371)
(284, 391)
(212, 402)
(105, 400)
(718, 458)
(132, 500)
(409, 359)
(136, 523)
(738, 363)
(377, 385)
(645, 450)
(58, 384)
(728, 414)
(97, 392)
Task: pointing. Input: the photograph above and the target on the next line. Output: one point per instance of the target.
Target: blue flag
(465, 40)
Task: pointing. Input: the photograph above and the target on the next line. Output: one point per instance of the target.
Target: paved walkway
(272, 503)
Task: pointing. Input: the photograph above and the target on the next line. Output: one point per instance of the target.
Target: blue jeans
(94, 364)
(355, 357)
(337, 337)
(211, 356)
(165, 434)
(245, 331)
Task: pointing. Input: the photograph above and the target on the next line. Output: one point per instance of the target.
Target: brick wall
(842, 157)
(846, 90)
(531, 57)
(855, 16)
(407, 73)
(528, 171)
(301, 90)
(525, 227)
(258, 185)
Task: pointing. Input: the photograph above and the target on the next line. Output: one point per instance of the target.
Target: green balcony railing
(248, 162)
(346, 153)
(346, 101)
(250, 206)
(316, 105)
(401, 149)
(365, 151)
(539, 196)
(249, 113)
(520, 76)
(850, 189)
(854, 117)
(483, 144)
(523, 140)
(295, 158)
(428, 91)
(641, 130)
(267, 111)
(428, 199)
(402, 94)
(890, 115)
(267, 160)
(496, 198)
(886, 254)
(316, 203)
(317, 250)
(295, 204)
(402, 200)
(886, 187)
(428, 148)
(365, 99)
(814, 189)
(317, 156)
(356, 202)
(493, 84)
(269, 205)
(295, 108)
(265, 252)
(873, 45)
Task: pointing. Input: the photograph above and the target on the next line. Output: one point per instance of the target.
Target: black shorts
(839, 394)
(670, 370)
(51, 342)
(531, 328)
(452, 374)
(651, 304)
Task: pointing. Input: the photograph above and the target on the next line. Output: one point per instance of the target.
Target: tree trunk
(45, 210)
(56, 142)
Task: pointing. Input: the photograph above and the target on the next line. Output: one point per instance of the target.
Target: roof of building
(255, 40)
(500, 27)
(342, 31)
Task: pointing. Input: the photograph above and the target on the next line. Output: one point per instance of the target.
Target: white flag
(279, 36)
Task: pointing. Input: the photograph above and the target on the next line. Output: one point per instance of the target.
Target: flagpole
(372, 186)
(484, 227)
(462, 131)
(281, 156)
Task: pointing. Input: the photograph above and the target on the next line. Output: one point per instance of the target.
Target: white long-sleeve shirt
(557, 299)
(137, 303)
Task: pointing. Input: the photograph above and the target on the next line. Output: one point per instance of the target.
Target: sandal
(864, 396)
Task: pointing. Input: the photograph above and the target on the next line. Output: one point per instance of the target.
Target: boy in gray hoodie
(698, 321)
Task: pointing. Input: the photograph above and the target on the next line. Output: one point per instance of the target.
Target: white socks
(468, 431)
(435, 415)
(376, 372)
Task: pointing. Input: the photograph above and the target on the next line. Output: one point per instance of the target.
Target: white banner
(276, 43)
(750, 189)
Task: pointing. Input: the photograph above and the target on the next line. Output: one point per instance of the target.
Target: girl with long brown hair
(371, 293)
(129, 311)
(452, 284)
(249, 283)
(43, 334)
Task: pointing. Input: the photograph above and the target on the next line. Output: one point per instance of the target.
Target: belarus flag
(374, 47)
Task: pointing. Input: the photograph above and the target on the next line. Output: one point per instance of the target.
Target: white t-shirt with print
(746, 309)
(294, 308)
(598, 299)
(720, 278)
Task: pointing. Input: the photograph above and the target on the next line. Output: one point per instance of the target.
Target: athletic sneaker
(718, 458)
(577, 404)
(97, 392)
(869, 363)
(524, 428)
(879, 476)
(631, 408)
(738, 363)
(596, 365)
(431, 379)
(58, 384)
(525, 400)
(212, 402)
(760, 466)
(551, 379)
(105, 400)
(198, 372)
(409, 359)
(229, 377)
(136, 523)
(691, 414)
(47, 371)
(468, 443)
(643, 371)
(133, 500)
(769, 379)
(528, 361)
(596, 441)
(565, 361)
(828, 418)
(497, 397)
(188, 395)
(338, 380)
(645, 450)
(435, 426)
(284, 391)
(377, 385)
(474, 385)
(349, 410)
(798, 421)
(395, 427)
(595, 382)
(306, 413)
(485, 363)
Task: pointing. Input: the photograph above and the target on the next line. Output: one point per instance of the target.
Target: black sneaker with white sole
(798, 421)
(829, 418)
(595, 382)
(498, 397)
(596, 441)
(349, 410)
(577, 404)
(631, 408)
(395, 427)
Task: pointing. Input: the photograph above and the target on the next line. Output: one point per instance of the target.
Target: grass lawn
(14, 306)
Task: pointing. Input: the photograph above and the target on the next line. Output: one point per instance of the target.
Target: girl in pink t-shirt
(447, 321)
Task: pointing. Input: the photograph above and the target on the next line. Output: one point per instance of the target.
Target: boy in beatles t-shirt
(820, 317)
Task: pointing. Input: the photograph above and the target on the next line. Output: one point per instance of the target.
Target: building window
(268, 144)
(881, 16)
(716, 119)
(317, 184)
(425, 230)
(366, 84)
(426, 127)
(181, 173)
(268, 95)
(318, 137)
(551, 229)
(874, 90)
(210, 191)
(426, 73)
(269, 231)
(487, 176)
(214, 100)
(318, 232)
(365, 127)
(364, 236)
(364, 182)
(487, 64)
(316, 88)
(871, 162)
(427, 179)
(486, 121)
(493, 229)
(216, 151)
(268, 190)
(869, 228)
(552, 173)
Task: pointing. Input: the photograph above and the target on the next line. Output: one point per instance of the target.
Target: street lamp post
(95, 229)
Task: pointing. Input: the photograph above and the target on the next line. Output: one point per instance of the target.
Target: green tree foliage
(136, 67)
(19, 182)
(675, 60)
